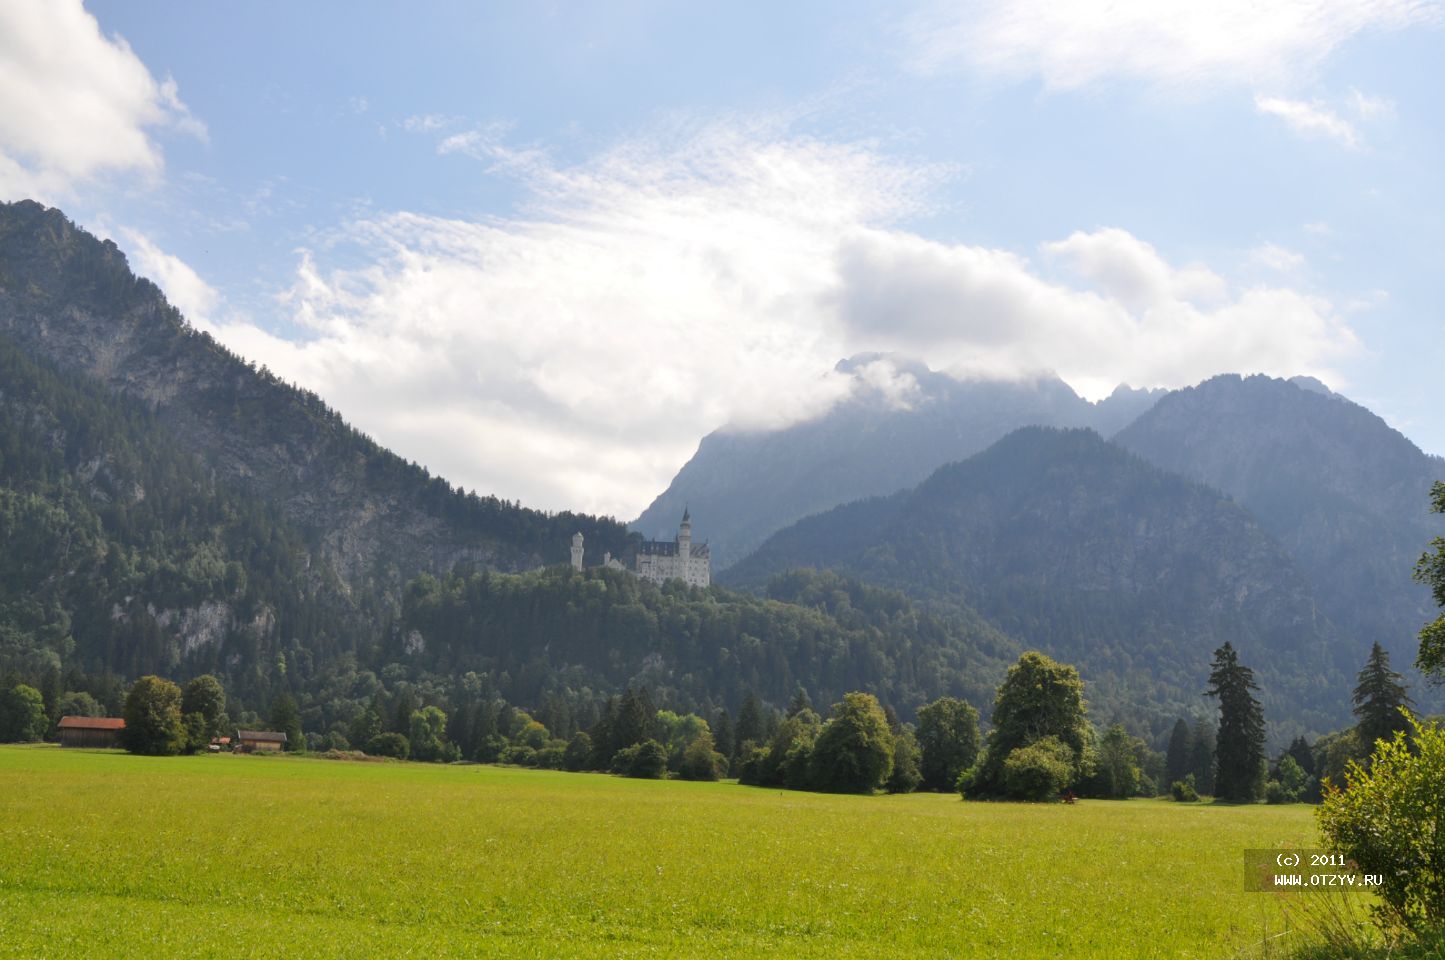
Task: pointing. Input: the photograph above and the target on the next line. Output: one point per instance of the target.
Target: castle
(662, 560)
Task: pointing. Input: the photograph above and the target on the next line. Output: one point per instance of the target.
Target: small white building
(662, 560)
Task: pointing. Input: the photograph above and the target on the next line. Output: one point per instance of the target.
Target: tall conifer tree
(1178, 762)
(1239, 766)
(1378, 699)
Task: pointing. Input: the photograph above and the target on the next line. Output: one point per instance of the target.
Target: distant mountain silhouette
(743, 486)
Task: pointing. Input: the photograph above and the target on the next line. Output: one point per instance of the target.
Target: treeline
(557, 629)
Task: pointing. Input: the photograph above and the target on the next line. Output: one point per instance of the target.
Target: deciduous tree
(153, 718)
(854, 750)
(1039, 698)
(1430, 570)
(22, 714)
(948, 740)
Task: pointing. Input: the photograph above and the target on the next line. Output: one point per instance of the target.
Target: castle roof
(667, 548)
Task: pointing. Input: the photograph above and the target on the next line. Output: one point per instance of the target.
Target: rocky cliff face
(743, 486)
(70, 298)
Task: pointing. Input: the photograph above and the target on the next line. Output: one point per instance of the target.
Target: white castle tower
(577, 551)
(678, 559)
(684, 536)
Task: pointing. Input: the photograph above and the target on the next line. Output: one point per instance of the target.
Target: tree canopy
(153, 718)
(1430, 570)
(1039, 698)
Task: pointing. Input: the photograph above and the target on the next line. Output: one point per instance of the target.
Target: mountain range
(899, 423)
(169, 507)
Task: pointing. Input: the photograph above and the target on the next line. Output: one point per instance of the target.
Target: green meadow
(109, 855)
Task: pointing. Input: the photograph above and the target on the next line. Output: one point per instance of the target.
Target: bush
(392, 745)
(701, 762)
(551, 756)
(645, 761)
(968, 780)
(1039, 771)
(906, 775)
(1390, 820)
(492, 748)
(22, 714)
(578, 753)
(750, 770)
(1184, 790)
(520, 755)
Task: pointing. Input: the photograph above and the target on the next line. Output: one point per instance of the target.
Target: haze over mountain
(900, 422)
(1075, 546)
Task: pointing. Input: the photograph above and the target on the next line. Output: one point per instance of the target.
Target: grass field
(109, 855)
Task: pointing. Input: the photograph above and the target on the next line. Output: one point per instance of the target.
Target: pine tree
(635, 719)
(800, 702)
(1378, 699)
(1299, 748)
(722, 732)
(1239, 765)
(1178, 762)
(1201, 753)
(286, 718)
(751, 725)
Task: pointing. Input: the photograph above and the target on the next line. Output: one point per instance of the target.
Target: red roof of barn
(92, 723)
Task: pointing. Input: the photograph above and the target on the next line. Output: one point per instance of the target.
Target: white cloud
(1172, 44)
(426, 122)
(1370, 108)
(572, 355)
(1134, 319)
(74, 103)
(1274, 257)
(1314, 118)
(183, 287)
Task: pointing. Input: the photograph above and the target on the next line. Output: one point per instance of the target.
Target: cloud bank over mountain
(713, 274)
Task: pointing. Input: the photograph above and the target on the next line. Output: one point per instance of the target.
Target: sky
(545, 248)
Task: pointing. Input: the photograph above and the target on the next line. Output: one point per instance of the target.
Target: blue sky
(544, 249)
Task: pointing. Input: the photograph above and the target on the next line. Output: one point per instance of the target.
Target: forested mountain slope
(70, 298)
(124, 555)
(1074, 546)
(1344, 493)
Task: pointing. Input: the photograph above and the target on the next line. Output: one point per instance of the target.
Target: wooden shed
(254, 741)
(90, 731)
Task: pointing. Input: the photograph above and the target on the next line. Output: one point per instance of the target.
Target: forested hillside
(1074, 546)
(123, 554)
(558, 632)
(71, 298)
(1345, 494)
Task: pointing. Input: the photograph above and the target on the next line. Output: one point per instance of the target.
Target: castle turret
(577, 551)
(684, 535)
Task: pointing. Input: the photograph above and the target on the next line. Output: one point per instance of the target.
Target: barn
(259, 741)
(90, 731)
